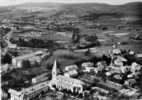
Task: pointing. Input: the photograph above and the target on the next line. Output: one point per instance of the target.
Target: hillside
(90, 18)
(130, 9)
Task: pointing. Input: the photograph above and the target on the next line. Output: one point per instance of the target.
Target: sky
(114, 2)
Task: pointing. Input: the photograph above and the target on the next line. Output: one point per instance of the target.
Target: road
(8, 36)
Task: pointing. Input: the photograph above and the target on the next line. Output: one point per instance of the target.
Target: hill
(133, 9)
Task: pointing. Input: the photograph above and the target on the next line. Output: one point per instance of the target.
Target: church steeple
(54, 70)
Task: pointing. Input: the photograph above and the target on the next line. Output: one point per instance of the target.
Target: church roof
(68, 80)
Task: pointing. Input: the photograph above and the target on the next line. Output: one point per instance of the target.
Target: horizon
(111, 2)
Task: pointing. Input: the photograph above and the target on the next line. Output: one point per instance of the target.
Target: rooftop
(29, 55)
(36, 87)
(32, 89)
(68, 80)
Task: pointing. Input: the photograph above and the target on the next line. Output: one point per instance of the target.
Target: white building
(89, 69)
(12, 45)
(139, 55)
(129, 92)
(28, 93)
(40, 78)
(87, 64)
(72, 73)
(71, 67)
(32, 57)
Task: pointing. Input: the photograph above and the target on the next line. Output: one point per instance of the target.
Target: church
(62, 82)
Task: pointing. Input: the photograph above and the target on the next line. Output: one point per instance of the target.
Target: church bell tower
(54, 70)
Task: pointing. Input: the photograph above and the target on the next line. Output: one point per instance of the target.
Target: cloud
(115, 2)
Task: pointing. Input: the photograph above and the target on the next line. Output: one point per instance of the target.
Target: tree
(6, 59)
(65, 96)
(87, 53)
(107, 59)
(92, 38)
(105, 28)
(26, 64)
(75, 36)
(36, 64)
